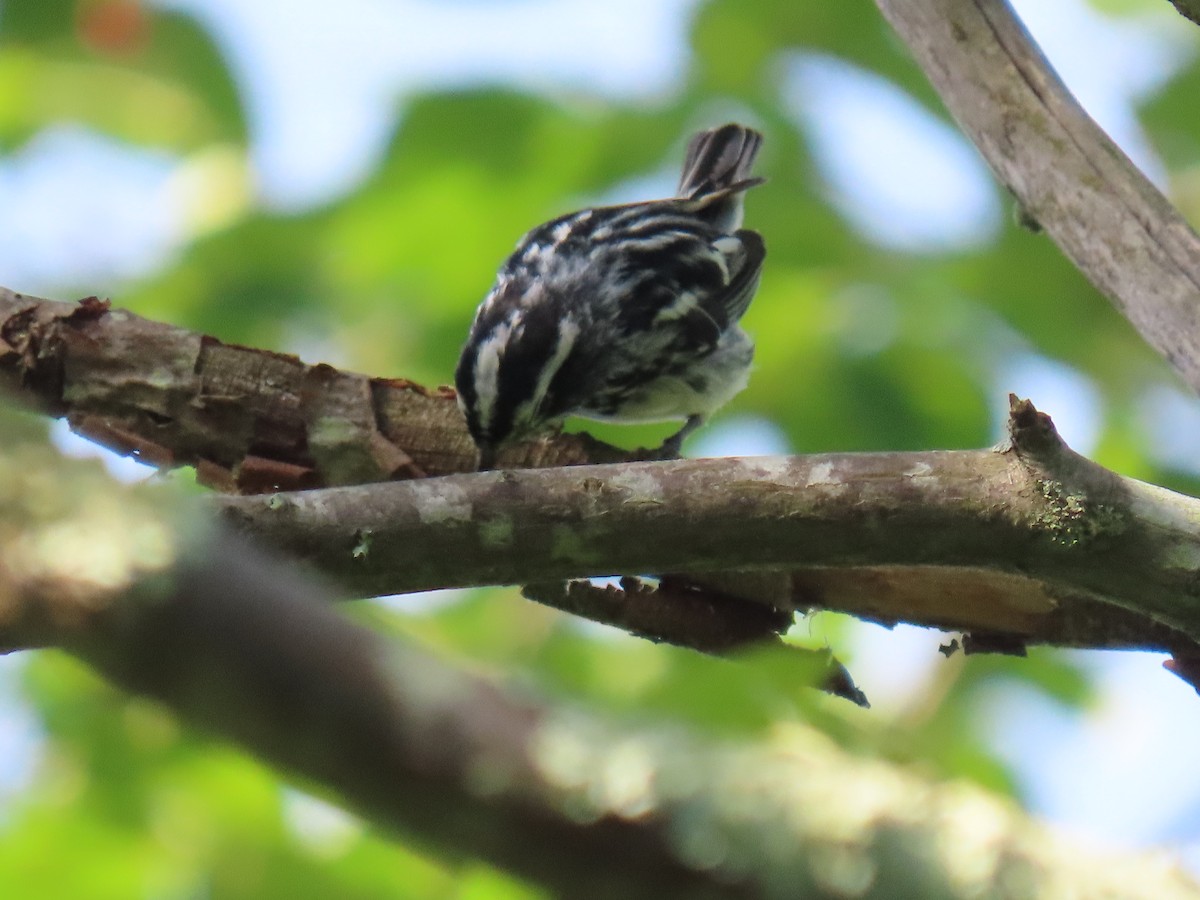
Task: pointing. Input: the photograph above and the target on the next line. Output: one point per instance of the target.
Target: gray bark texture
(1067, 174)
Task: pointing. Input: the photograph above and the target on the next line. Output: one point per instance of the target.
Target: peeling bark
(249, 420)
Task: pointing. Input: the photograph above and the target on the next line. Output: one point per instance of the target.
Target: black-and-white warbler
(624, 313)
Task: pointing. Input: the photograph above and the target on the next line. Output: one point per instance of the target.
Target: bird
(624, 313)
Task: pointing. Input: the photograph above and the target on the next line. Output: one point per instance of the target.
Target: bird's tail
(719, 159)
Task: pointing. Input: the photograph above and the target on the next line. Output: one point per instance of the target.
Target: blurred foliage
(149, 77)
(385, 279)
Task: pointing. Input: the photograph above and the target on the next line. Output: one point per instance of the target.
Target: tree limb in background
(1030, 540)
(1189, 9)
(1066, 173)
(242, 646)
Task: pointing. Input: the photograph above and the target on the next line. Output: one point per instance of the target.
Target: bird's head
(506, 376)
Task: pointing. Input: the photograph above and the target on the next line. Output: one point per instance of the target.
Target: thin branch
(1030, 540)
(1121, 232)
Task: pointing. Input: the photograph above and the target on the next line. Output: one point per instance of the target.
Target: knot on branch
(1030, 431)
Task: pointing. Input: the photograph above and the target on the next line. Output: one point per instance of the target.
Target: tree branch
(1029, 540)
(249, 420)
(1121, 232)
(244, 647)
(1189, 9)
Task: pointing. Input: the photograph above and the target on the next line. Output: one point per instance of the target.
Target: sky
(932, 191)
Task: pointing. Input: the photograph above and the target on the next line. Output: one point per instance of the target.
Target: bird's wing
(744, 252)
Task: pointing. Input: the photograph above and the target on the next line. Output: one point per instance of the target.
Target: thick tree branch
(248, 420)
(1128, 239)
(1030, 540)
(242, 646)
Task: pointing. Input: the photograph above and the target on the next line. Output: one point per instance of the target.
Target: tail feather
(719, 159)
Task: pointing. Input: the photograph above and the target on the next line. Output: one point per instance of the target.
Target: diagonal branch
(1117, 228)
(1189, 9)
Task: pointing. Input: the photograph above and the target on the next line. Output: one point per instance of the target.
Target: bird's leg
(673, 445)
(487, 458)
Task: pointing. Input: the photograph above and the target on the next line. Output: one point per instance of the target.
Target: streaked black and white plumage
(625, 313)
